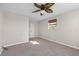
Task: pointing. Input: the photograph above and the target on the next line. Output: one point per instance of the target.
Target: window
(52, 24)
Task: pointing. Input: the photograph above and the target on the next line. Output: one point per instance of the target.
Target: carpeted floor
(40, 47)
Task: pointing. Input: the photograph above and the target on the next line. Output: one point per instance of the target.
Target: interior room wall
(67, 29)
(33, 29)
(1, 28)
(16, 29)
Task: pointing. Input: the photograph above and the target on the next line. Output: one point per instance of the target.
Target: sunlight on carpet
(34, 42)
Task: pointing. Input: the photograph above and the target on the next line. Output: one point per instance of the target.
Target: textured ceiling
(27, 8)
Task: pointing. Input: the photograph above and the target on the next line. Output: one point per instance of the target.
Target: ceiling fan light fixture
(42, 12)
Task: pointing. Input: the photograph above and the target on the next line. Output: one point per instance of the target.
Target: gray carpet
(40, 48)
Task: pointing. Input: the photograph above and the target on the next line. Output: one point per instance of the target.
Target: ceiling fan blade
(36, 11)
(49, 10)
(48, 5)
(37, 5)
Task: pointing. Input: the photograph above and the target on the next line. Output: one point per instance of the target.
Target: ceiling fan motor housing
(42, 7)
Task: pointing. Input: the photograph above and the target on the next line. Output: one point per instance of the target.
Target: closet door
(32, 30)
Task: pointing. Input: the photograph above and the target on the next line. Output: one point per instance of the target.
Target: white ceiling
(27, 8)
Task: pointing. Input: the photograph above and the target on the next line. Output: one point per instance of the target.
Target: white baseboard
(61, 43)
(34, 37)
(12, 44)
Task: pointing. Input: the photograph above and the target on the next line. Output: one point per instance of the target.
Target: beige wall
(16, 29)
(67, 30)
(1, 28)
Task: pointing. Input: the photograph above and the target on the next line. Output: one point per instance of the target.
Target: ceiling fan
(44, 7)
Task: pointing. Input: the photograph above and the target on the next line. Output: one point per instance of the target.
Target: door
(32, 30)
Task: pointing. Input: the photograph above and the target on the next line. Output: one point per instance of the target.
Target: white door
(32, 30)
